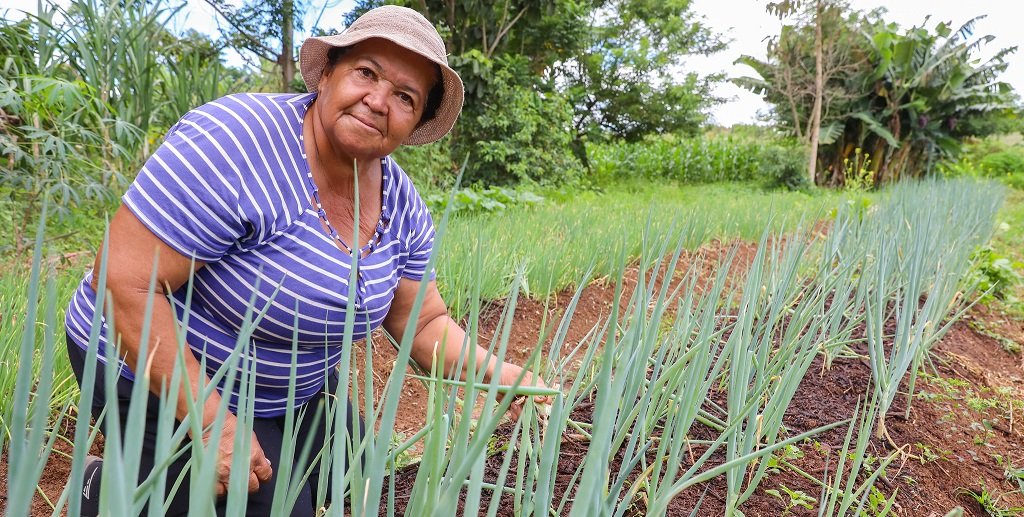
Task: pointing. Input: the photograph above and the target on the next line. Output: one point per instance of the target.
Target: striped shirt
(230, 186)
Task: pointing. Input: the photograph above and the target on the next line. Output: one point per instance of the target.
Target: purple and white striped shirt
(230, 186)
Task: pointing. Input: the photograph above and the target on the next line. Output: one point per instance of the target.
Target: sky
(744, 23)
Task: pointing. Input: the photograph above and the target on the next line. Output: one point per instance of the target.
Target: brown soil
(960, 434)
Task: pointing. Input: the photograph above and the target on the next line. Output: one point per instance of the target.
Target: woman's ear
(328, 68)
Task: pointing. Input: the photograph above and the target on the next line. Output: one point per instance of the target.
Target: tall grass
(14, 316)
(85, 90)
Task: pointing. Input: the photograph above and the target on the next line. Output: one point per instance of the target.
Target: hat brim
(313, 60)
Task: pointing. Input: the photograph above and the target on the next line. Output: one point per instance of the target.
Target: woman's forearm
(162, 354)
(445, 339)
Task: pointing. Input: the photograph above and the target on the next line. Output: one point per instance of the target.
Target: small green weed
(928, 453)
(991, 502)
(1013, 473)
(792, 499)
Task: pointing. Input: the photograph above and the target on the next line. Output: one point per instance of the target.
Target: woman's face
(373, 97)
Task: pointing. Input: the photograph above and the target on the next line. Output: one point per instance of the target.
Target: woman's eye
(406, 98)
(366, 73)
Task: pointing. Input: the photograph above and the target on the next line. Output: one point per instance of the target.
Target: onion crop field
(713, 350)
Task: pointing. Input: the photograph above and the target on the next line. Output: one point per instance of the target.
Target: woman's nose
(377, 98)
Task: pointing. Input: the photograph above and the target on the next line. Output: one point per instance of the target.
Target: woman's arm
(434, 327)
(133, 250)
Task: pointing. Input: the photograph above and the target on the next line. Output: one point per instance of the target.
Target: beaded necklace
(382, 223)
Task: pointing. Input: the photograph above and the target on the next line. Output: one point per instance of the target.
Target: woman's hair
(434, 97)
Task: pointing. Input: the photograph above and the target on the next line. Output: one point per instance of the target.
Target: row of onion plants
(722, 355)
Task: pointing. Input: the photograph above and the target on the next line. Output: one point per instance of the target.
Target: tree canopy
(543, 77)
(894, 101)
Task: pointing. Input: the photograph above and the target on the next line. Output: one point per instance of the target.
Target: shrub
(517, 132)
(1004, 163)
(994, 274)
(430, 166)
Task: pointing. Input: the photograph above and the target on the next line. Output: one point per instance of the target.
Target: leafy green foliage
(544, 77)
(513, 132)
(86, 91)
(266, 30)
(429, 166)
(994, 274)
(907, 97)
(627, 82)
(469, 200)
(997, 157)
(792, 499)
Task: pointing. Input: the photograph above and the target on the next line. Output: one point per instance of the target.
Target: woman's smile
(366, 122)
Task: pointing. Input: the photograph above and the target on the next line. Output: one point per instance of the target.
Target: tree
(893, 101)
(928, 92)
(830, 56)
(515, 124)
(267, 30)
(543, 76)
(629, 81)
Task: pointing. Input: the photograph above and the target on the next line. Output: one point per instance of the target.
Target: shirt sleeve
(421, 244)
(187, 191)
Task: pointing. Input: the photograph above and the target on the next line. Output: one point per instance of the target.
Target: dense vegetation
(892, 101)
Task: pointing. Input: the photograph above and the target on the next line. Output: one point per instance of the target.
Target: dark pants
(269, 432)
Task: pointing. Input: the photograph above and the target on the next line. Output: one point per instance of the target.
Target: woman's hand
(508, 375)
(438, 337)
(260, 470)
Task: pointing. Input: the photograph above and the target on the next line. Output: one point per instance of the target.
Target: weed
(991, 502)
(792, 499)
(788, 453)
(994, 274)
(878, 502)
(928, 453)
(1011, 472)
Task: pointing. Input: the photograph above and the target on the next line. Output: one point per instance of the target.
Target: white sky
(744, 22)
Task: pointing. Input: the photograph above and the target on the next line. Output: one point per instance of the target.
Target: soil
(962, 433)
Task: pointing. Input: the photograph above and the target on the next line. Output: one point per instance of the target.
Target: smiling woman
(371, 97)
(291, 203)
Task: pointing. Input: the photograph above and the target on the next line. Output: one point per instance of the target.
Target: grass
(13, 308)
(1009, 242)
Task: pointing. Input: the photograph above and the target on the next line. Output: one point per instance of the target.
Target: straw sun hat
(406, 28)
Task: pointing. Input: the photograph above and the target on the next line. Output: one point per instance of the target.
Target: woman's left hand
(509, 373)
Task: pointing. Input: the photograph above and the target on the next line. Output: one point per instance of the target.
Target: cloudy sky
(743, 22)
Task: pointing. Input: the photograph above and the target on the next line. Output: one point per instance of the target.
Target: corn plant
(113, 47)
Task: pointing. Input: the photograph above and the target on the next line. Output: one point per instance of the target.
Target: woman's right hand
(260, 470)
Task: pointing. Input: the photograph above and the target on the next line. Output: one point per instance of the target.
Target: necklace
(382, 223)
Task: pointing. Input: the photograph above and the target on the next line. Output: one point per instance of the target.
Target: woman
(254, 195)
